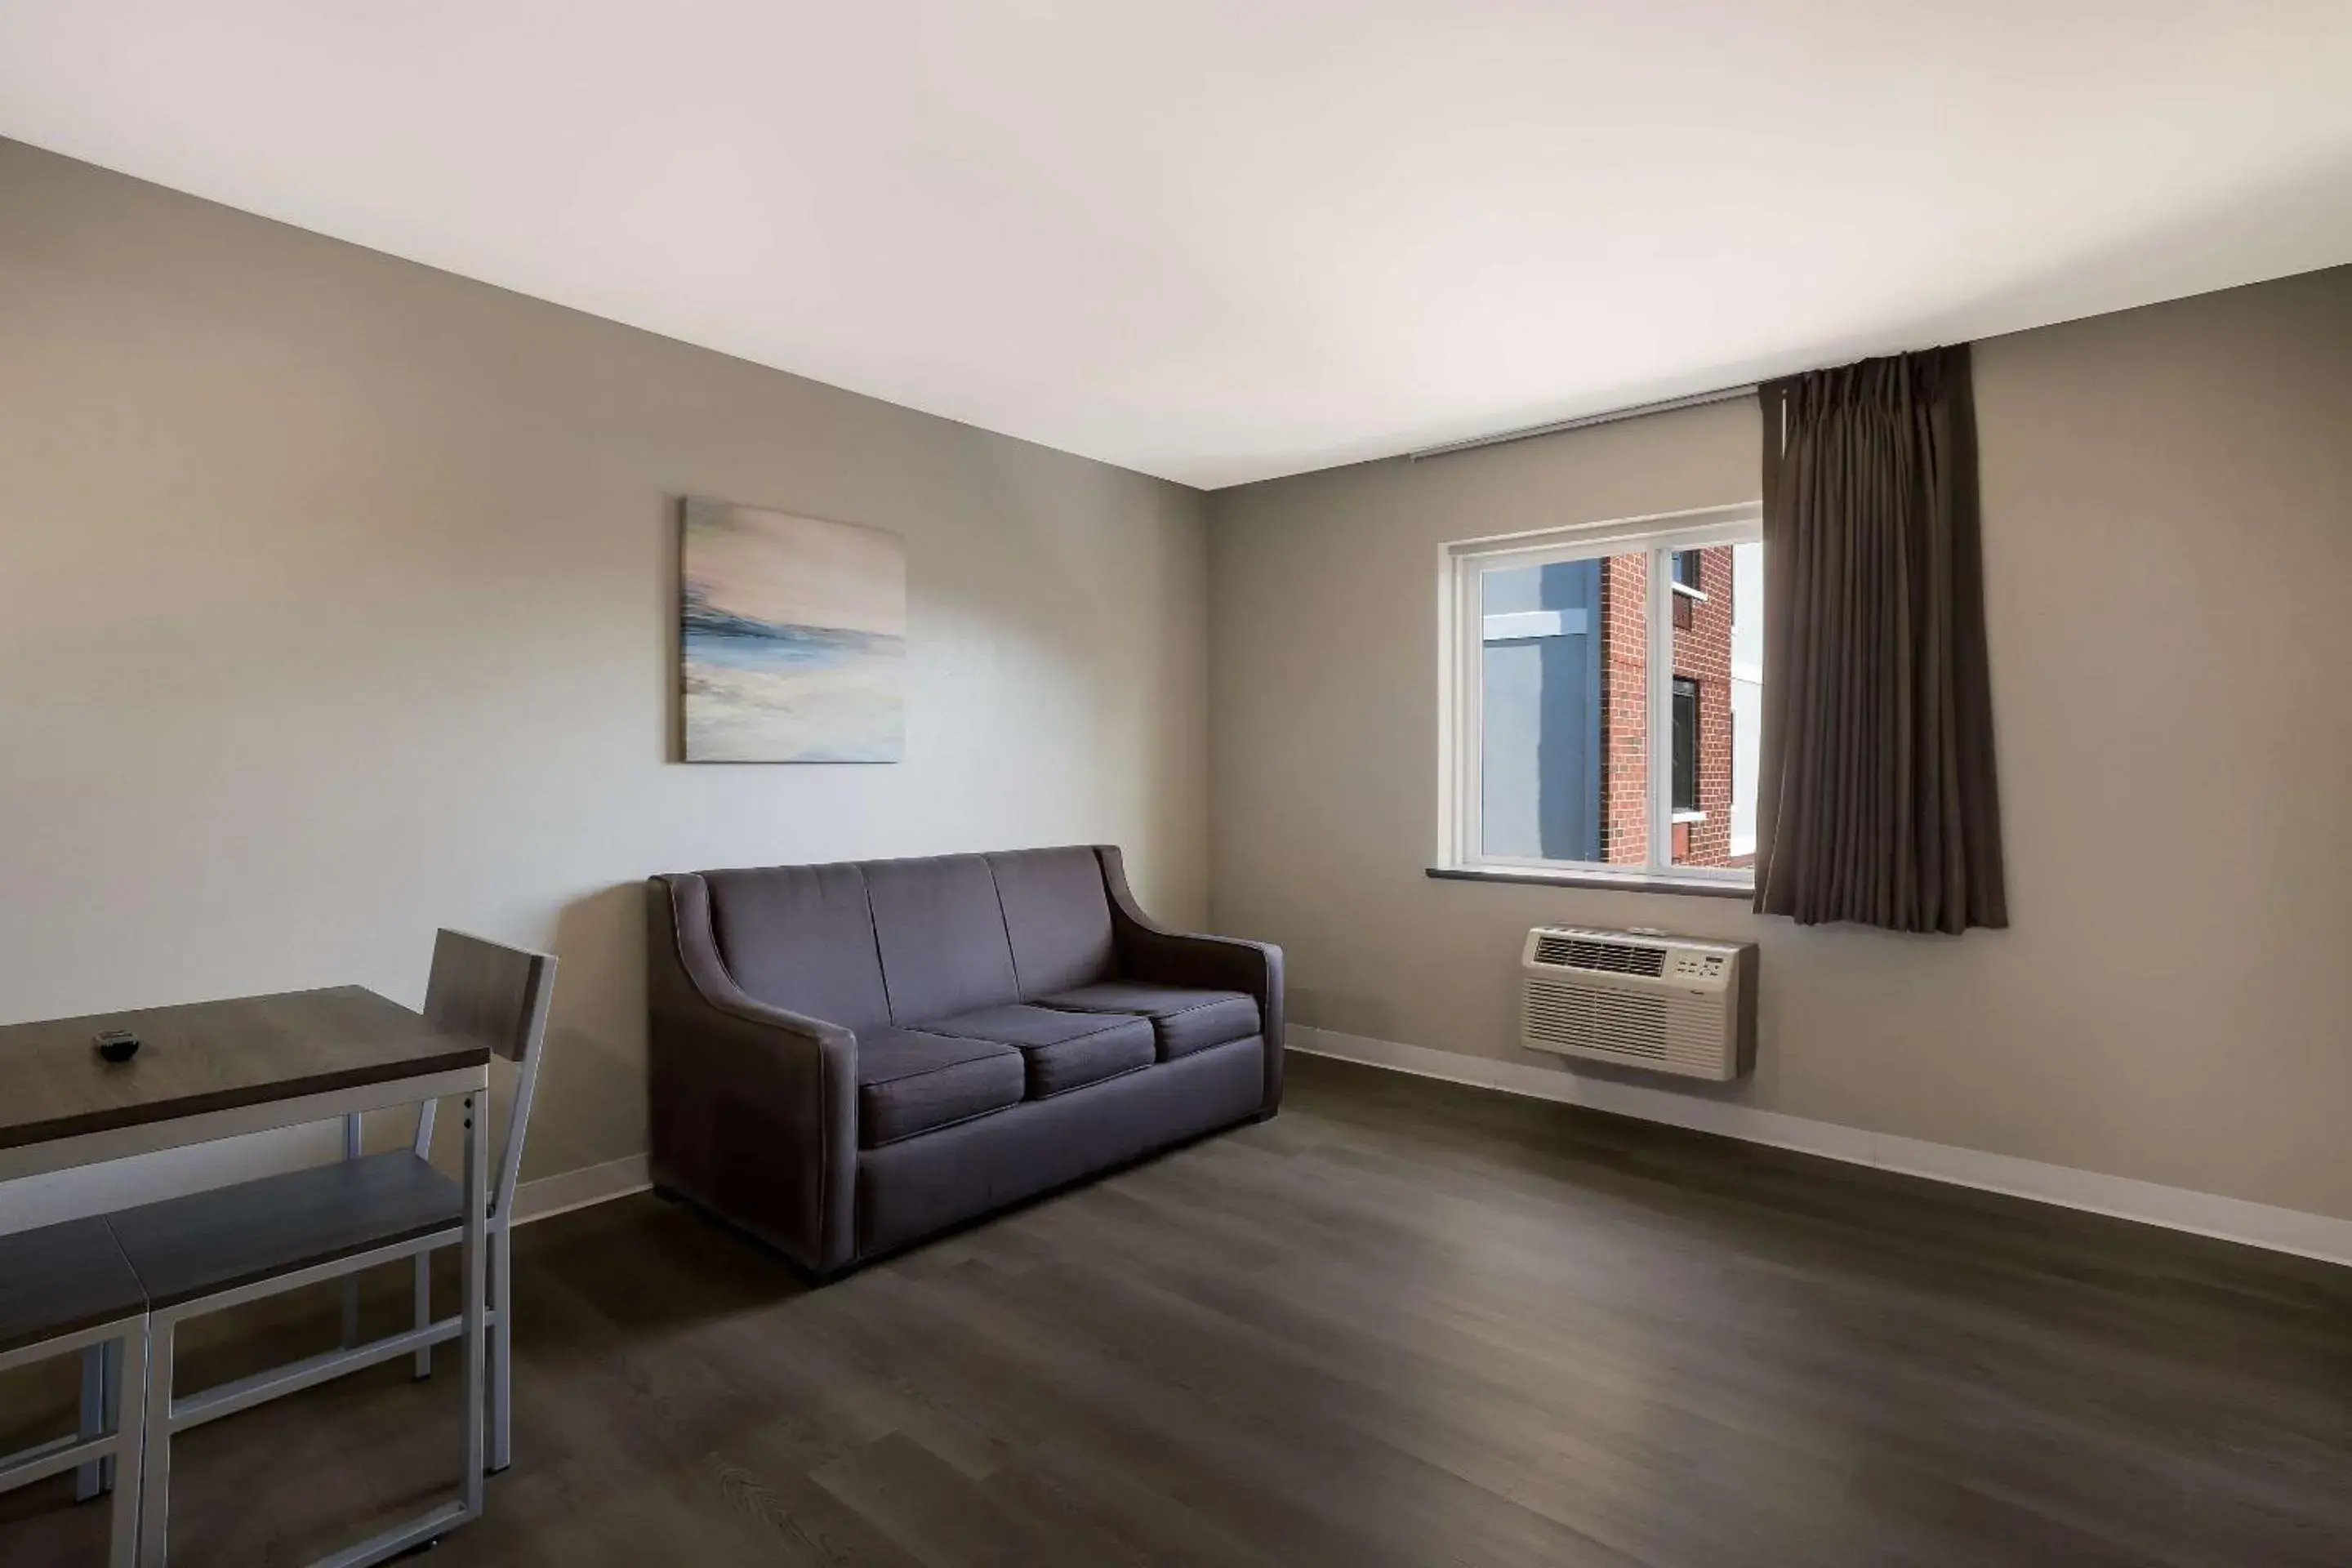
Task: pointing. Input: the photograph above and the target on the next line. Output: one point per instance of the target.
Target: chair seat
(62, 1279)
(911, 1080)
(1183, 1019)
(188, 1247)
(1064, 1049)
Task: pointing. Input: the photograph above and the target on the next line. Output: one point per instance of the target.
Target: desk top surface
(204, 1056)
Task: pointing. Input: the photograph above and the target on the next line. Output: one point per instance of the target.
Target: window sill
(1692, 887)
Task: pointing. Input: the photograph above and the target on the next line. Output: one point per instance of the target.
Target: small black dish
(118, 1045)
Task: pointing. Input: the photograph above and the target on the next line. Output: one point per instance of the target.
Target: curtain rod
(1695, 400)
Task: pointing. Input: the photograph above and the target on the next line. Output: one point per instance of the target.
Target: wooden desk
(209, 1070)
(216, 1070)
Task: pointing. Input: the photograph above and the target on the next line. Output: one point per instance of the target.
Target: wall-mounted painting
(794, 637)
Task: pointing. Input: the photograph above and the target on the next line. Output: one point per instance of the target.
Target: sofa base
(918, 1187)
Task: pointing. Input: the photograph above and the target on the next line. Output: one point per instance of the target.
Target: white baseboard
(2322, 1237)
(569, 1190)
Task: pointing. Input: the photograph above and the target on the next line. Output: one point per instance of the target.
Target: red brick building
(1702, 708)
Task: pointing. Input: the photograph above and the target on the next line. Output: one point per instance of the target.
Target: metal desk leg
(104, 1401)
(502, 1344)
(127, 1404)
(90, 1479)
(154, 1486)
(476, 1217)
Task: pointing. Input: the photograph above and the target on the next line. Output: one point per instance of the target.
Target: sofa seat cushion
(909, 1081)
(1064, 1049)
(1183, 1019)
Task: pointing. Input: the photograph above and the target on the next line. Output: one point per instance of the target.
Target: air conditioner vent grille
(1640, 999)
(1573, 1016)
(1604, 957)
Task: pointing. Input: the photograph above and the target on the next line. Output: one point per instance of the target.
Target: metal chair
(66, 1288)
(499, 995)
(213, 1250)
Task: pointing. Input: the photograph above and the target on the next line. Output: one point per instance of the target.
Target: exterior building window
(1686, 745)
(1566, 653)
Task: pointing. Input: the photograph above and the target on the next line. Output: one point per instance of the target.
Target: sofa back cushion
(1056, 916)
(942, 935)
(800, 937)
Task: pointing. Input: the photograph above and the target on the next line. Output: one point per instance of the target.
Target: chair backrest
(499, 995)
(489, 992)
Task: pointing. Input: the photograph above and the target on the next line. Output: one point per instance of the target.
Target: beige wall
(336, 604)
(2168, 511)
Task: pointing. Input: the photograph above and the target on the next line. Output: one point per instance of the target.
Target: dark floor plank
(1401, 1324)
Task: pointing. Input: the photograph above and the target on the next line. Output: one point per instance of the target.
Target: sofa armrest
(753, 1108)
(1149, 951)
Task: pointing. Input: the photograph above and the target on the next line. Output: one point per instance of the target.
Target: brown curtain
(1877, 801)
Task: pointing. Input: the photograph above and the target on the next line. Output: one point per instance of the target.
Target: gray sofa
(847, 1058)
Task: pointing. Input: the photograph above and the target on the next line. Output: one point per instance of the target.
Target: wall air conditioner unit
(1640, 999)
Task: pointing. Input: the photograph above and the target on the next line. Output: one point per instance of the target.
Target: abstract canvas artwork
(794, 637)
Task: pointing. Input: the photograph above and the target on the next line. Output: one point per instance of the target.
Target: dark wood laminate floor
(1402, 1324)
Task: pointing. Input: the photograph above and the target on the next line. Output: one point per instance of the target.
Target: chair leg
(475, 1255)
(155, 1477)
(502, 1348)
(128, 1407)
(90, 1479)
(421, 1290)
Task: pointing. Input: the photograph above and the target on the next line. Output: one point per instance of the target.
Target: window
(1565, 653)
(1685, 746)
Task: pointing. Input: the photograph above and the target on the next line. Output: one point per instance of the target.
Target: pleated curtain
(1877, 802)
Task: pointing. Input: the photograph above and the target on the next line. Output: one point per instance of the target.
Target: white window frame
(1462, 655)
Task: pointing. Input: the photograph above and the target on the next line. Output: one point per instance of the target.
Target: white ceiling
(1222, 241)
